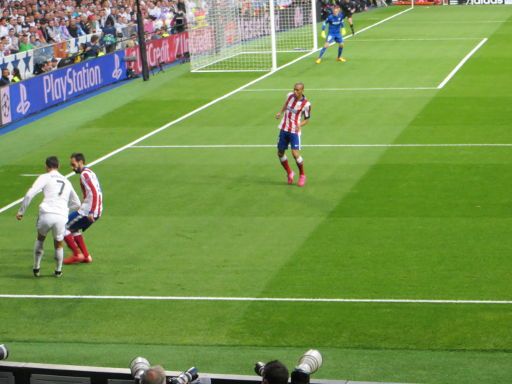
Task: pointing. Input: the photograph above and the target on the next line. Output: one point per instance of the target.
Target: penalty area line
(461, 63)
(257, 299)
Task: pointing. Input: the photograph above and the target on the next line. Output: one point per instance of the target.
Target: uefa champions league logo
(116, 74)
(24, 104)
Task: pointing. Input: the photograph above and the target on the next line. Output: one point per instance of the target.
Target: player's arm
(90, 190)
(74, 201)
(324, 25)
(36, 188)
(278, 114)
(306, 114)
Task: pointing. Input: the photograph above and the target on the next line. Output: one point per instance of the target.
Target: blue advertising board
(22, 99)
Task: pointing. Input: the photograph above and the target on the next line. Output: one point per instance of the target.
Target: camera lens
(138, 366)
(186, 377)
(310, 361)
(4, 352)
(259, 368)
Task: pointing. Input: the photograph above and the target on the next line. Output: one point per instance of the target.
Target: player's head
(77, 162)
(336, 9)
(298, 90)
(275, 372)
(52, 162)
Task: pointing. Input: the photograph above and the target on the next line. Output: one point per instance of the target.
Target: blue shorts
(77, 222)
(337, 38)
(288, 138)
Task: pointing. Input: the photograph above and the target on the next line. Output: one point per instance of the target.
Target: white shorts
(51, 221)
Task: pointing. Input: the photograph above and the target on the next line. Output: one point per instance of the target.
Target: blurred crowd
(30, 24)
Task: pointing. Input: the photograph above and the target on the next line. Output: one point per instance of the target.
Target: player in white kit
(59, 198)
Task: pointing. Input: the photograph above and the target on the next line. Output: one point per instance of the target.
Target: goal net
(249, 35)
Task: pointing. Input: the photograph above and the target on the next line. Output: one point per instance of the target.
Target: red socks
(70, 241)
(81, 243)
(300, 164)
(76, 244)
(284, 163)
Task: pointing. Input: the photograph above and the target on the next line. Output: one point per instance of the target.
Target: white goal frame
(206, 54)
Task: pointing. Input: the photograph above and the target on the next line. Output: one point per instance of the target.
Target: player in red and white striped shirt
(295, 115)
(89, 212)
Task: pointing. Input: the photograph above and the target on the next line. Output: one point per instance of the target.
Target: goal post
(249, 35)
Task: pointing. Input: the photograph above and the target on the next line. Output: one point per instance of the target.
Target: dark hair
(275, 372)
(78, 156)
(52, 162)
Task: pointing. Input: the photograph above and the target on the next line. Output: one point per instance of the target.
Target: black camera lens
(259, 368)
(186, 377)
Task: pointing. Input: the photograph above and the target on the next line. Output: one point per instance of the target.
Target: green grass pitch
(396, 222)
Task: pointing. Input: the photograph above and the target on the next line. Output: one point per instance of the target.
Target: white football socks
(59, 257)
(38, 254)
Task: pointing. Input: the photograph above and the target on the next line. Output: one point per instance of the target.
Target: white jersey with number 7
(59, 195)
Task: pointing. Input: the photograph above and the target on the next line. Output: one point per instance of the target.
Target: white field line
(228, 146)
(462, 62)
(422, 39)
(255, 299)
(343, 89)
(30, 175)
(203, 107)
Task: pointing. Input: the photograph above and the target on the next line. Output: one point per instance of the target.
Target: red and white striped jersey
(93, 197)
(295, 110)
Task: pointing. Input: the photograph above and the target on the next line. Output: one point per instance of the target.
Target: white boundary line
(225, 146)
(256, 299)
(462, 62)
(205, 106)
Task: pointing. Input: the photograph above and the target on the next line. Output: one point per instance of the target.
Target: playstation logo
(24, 104)
(116, 74)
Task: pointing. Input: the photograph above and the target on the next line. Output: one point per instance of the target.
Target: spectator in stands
(13, 41)
(93, 48)
(109, 35)
(5, 78)
(63, 30)
(42, 31)
(92, 24)
(54, 63)
(17, 27)
(35, 41)
(53, 32)
(154, 375)
(5, 45)
(84, 25)
(25, 44)
(74, 30)
(275, 372)
(4, 29)
(16, 75)
(81, 51)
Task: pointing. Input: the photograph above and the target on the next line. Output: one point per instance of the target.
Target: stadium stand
(32, 33)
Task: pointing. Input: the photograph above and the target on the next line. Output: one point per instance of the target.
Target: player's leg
(73, 225)
(324, 48)
(38, 254)
(351, 23)
(298, 159)
(339, 40)
(59, 257)
(79, 239)
(59, 229)
(43, 228)
(282, 145)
